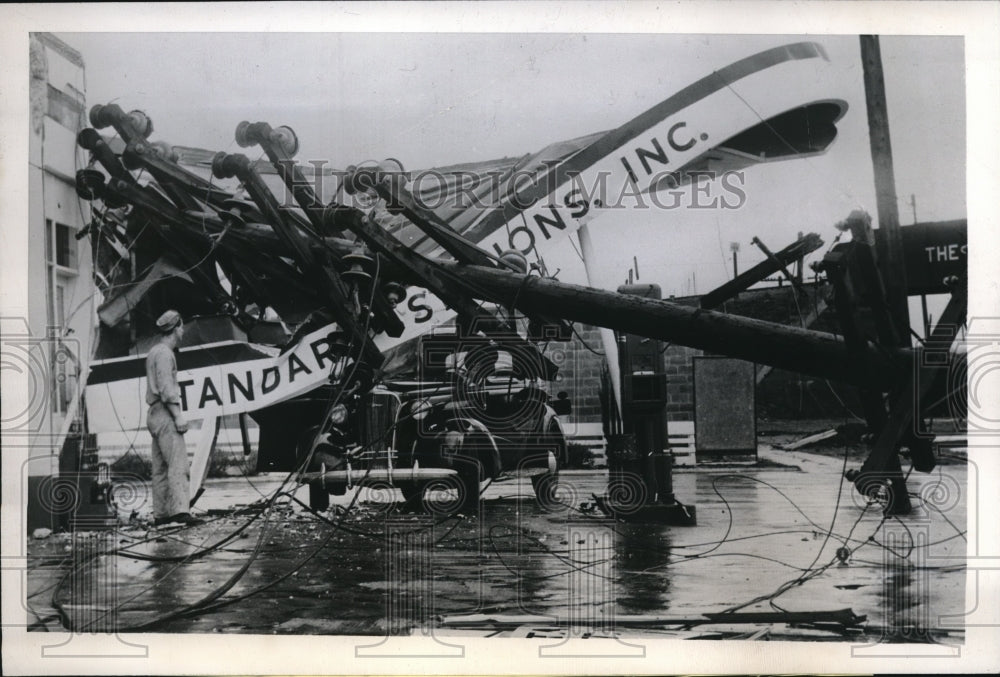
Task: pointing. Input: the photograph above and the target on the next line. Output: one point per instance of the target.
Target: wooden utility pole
(891, 258)
(781, 346)
(884, 457)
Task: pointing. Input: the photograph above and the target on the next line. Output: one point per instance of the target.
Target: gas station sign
(932, 252)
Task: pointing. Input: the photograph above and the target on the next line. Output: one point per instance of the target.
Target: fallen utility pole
(281, 144)
(842, 617)
(810, 352)
(327, 280)
(793, 252)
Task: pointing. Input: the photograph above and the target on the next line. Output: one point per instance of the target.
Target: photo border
(226, 654)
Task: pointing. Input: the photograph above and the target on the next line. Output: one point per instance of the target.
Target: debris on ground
(811, 439)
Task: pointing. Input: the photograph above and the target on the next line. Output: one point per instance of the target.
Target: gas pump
(87, 481)
(640, 465)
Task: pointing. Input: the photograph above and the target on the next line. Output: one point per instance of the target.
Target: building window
(64, 370)
(60, 245)
(61, 260)
(65, 109)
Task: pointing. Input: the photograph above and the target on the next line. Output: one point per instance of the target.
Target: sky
(433, 99)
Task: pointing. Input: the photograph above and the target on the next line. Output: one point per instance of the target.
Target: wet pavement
(369, 569)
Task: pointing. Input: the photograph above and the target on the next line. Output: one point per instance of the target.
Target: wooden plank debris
(811, 439)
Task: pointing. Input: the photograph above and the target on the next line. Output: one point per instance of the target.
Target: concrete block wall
(579, 374)
(778, 396)
(680, 382)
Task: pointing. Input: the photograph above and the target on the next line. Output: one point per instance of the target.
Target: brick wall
(580, 376)
(781, 395)
(680, 382)
(579, 373)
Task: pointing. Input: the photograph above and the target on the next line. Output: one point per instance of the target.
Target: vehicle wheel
(471, 486)
(444, 497)
(303, 445)
(319, 499)
(545, 487)
(476, 460)
(546, 484)
(555, 440)
(412, 492)
(413, 496)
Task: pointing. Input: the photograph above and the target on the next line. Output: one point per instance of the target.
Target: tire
(479, 460)
(555, 438)
(319, 499)
(466, 498)
(471, 484)
(413, 497)
(455, 503)
(412, 493)
(545, 484)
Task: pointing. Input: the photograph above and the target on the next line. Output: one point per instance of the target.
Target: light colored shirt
(161, 376)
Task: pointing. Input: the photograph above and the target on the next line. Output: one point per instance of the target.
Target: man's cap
(168, 321)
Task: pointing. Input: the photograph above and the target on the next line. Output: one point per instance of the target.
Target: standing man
(171, 474)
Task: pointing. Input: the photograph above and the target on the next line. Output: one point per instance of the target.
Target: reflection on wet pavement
(376, 571)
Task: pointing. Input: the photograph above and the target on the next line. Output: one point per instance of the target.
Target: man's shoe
(188, 519)
(180, 518)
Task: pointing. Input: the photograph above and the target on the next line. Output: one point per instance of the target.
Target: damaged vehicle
(485, 417)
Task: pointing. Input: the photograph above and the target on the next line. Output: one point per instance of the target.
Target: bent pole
(780, 346)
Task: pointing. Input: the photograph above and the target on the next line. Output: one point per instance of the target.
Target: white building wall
(63, 74)
(60, 325)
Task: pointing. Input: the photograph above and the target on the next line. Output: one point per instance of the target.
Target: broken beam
(139, 152)
(798, 249)
(915, 389)
(328, 281)
(781, 265)
(810, 352)
(398, 199)
(279, 145)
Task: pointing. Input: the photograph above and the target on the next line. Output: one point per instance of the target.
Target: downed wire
(211, 601)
